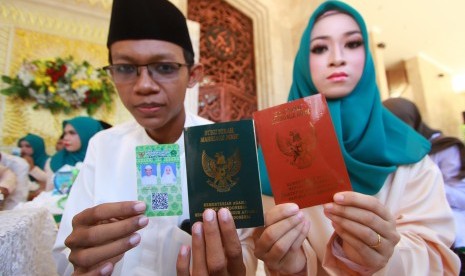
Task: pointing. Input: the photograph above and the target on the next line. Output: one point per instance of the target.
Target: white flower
(25, 73)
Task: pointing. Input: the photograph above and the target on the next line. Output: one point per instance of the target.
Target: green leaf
(8, 91)
(7, 79)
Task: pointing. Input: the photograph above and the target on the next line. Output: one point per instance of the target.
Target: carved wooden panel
(226, 50)
(225, 102)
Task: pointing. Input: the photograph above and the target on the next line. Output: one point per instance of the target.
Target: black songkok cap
(148, 19)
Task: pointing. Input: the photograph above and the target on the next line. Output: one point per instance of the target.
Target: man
(152, 65)
(148, 179)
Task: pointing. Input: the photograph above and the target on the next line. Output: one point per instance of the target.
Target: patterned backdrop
(227, 52)
(19, 116)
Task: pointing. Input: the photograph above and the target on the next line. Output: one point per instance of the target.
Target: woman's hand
(30, 161)
(367, 229)
(279, 245)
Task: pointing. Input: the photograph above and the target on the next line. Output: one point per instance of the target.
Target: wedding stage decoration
(61, 85)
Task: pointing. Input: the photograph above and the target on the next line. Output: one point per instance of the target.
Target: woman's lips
(340, 76)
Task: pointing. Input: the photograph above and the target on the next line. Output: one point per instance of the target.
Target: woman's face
(26, 148)
(337, 54)
(71, 139)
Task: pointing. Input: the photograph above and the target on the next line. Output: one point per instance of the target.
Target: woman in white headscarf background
(168, 176)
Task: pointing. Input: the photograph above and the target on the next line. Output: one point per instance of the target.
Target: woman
(396, 221)
(168, 176)
(77, 133)
(33, 151)
(447, 152)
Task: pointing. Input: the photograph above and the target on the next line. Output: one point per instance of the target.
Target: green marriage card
(222, 171)
(159, 179)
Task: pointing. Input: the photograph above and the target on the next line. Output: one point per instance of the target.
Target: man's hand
(102, 234)
(216, 248)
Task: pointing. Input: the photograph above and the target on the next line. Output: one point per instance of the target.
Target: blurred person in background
(7, 184)
(20, 168)
(33, 151)
(59, 143)
(449, 155)
(76, 135)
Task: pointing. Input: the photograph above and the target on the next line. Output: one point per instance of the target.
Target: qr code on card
(159, 201)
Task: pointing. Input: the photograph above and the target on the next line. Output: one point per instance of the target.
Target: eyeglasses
(158, 71)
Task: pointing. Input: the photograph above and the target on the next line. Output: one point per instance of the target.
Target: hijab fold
(85, 127)
(372, 140)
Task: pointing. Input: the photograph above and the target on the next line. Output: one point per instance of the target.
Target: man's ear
(195, 75)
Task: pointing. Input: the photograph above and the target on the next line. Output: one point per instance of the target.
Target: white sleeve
(21, 169)
(7, 179)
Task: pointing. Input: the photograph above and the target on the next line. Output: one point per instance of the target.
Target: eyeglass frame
(108, 70)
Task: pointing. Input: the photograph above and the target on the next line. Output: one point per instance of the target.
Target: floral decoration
(61, 84)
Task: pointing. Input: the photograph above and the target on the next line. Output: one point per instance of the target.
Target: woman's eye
(318, 49)
(354, 44)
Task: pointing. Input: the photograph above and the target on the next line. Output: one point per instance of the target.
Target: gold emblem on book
(221, 170)
(298, 145)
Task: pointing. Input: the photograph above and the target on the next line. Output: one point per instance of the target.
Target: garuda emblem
(221, 170)
(298, 146)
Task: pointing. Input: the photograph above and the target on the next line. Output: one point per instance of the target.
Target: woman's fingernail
(291, 210)
(139, 207)
(134, 239)
(339, 198)
(328, 206)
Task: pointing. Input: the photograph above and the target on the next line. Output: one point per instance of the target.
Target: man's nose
(145, 83)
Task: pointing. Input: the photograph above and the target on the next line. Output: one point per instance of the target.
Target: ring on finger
(378, 243)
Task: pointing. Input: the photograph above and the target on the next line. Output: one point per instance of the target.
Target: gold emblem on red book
(298, 146)
(221, 170)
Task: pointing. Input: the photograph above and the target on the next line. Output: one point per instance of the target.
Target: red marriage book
(301, 152)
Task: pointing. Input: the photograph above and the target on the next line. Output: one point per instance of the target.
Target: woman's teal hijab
(38, 146)
(372, 140)
(86, 127)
